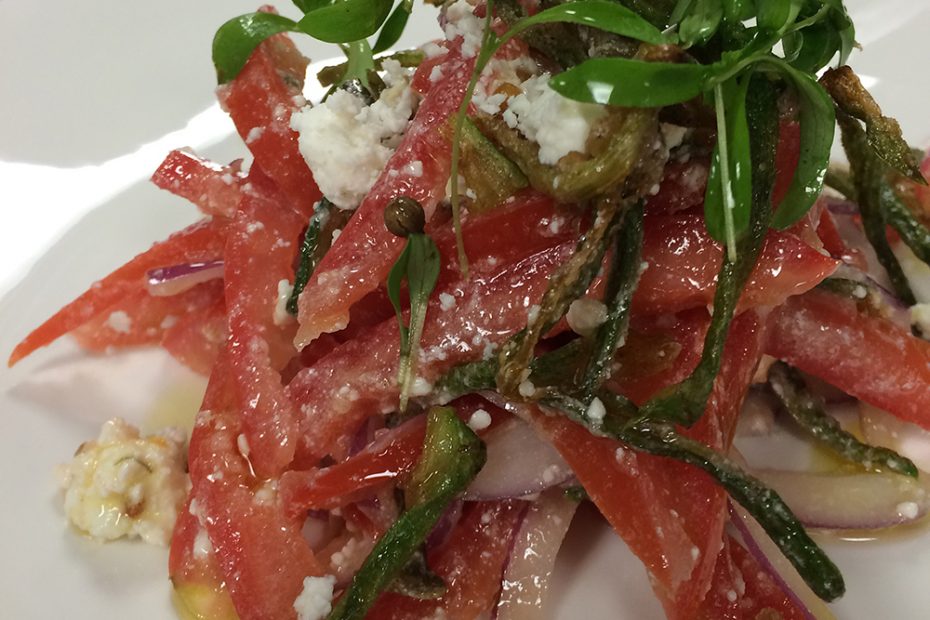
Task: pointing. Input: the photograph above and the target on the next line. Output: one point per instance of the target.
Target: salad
(541, 261)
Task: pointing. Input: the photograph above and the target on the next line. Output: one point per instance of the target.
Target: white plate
(94, 95)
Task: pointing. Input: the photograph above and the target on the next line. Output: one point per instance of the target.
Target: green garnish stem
(727, 191)
(452, 456)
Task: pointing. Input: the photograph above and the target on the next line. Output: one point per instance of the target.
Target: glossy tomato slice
(260, 101)
(200, 242)
(259, 258)
(866, 356)
(215, 189)
(670, 514)
(471, 562)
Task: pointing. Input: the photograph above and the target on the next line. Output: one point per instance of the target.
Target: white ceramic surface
(93, 95)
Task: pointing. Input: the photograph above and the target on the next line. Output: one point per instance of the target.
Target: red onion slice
(770, 558)
(849, 501)
(883, 429)
(519, 463)
(532, 560)
(167, 281)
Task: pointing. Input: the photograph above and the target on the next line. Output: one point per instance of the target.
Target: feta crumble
(531, 112)
(120, 322)
(585, 315)
(347, 144)
(461, 21)
(281, 316)
(479, 420)
(596, 410)
(446, 302)
(315, 601)
(123, 484)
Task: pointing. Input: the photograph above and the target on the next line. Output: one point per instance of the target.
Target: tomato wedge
(260, 101)
(471, 563)
(215, 189)
(742, 589)
(670, 514)
(866, 356)
(259, 255)
(362, 257)
(199, 242)
(683, 261)
(261, 552)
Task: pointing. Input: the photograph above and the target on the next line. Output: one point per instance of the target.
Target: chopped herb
(325, 220)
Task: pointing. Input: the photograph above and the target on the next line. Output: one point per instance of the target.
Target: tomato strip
(200, 242)
(215, 189)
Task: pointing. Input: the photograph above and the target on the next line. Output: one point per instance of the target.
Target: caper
(404, 216)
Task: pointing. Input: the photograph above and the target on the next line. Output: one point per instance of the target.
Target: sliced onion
(167, 281)
(770, 558)
(849, 501)
(883, 429)
(519, 463)
(532, 559)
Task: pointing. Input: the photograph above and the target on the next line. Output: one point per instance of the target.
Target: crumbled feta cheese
(254, 134)
(446, 302)
(202, 546)
(281, 316)
(242, 443)
(596, 410)
(532, 314)
(479, 420)
(436, 74)
(315, 601)
(123, 484)
(532, 111)
(526, 389)
(461, 21)
(346, 143)
(420, 387)
(433, 50)
(414, 169)
(119, 322)
(908, 510)
(672, 135)
(585, 315)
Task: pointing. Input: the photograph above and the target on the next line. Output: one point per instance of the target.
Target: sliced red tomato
(140, 319)
(215, 189)
(197, 338)
(199, 585)
(742, 589)
(683, 261)
(471, 563)
(867, 356)
(361, 258)
(670, 514)
(261, 552)
(200, 242)
(260, 101)
(682, 187)
(359, 377)
(259, 255)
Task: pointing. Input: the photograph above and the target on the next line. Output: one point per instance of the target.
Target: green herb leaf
(419, 265)
(344, 21)
(808, 412)
(452, 456)
(235, 40)
(631, 83)
(728, 200)
(817, 126)
(773, 15)
(811, 49)
(700, 22)
(394, 26)
(601, 14)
